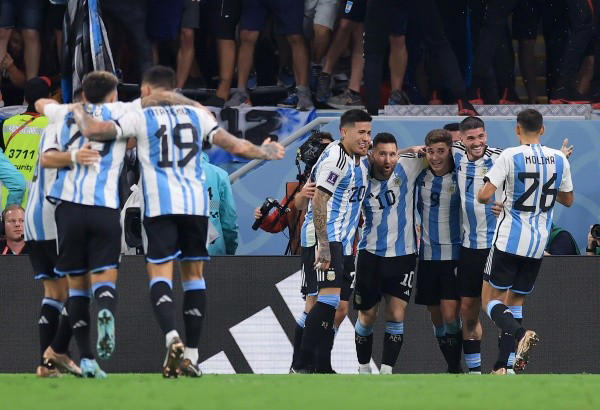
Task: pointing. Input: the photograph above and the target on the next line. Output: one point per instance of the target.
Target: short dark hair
(453, 126)
(471, 123)
(97, 85)
(384, 138)
(440, 135)
(35, 89)
(350, 117)
(530, 120)
(159, 76)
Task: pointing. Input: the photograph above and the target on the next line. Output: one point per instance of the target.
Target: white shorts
(321, 12)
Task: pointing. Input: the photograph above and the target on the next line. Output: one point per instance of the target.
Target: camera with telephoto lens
(595, 231)
(310, 151)
(265, 208)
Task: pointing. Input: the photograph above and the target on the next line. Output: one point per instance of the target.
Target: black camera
(310, 151)
(265, 208)
(595, 231)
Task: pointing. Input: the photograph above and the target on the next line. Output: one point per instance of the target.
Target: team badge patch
(348, 7)
(330, 276)
(332, 177)
(396, 181)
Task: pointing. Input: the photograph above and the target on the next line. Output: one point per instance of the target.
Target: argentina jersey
(438, 203)
(388, 210)
(478, 221)
(337, 173)
(97, 184)
(531, 176)
(169, 147)
(39, 212)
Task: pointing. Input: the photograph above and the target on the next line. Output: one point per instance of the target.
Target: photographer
(295, 202)
(13, 219)
(593, 241)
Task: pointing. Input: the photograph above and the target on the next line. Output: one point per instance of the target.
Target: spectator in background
(319, 20)
(350, 27)
(593, 241)
(190, 21)
(561, 242)
(453, 129)
(26, 15)
(288, 22)
(13, 222)
(21, 133)
(223, 215)
(12, 66)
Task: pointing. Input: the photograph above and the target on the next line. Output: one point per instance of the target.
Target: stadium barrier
(252, 303)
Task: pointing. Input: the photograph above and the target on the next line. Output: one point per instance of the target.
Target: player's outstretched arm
(268, 150)
(565, 198)
(61, 159)
(485, 193)
(319, 208)
(91, 128)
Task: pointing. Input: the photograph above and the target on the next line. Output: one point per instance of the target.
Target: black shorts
(343, 274)
(436, 280)
(43, 257)
(23, 14)
(223, 17)
(526, 19)
(354, 10)
(191, 14)
(89, 238)
(514, 272)
(175, 236)
(377, 276)
(289, 15)
(470, 271)
(384, 18)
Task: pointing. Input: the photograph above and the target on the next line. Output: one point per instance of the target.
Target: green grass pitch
(307, 392)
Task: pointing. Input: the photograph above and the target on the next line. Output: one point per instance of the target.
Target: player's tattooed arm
(268, 150)
(319, 209)
(92, 128)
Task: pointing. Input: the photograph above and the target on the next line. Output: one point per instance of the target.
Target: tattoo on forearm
(319, 203)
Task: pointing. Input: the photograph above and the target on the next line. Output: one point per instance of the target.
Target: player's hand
(566, 148)
(272, 150)
(308, 190)
(418, 149)
(257, 213)
(87, 156)
(497, 208)
(323, 258)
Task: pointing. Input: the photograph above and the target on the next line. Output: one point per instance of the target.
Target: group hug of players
(484, 217)
(74, 202)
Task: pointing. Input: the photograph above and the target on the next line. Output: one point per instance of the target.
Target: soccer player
(438, 204)
(169, 144)
(87, 216)
(472, 159)
(533, 178)
(334, 211)
(387, 251)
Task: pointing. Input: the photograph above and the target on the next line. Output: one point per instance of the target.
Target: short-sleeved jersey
(169, 147)
(479, 223)
(39, 212)
(438, 203)
(94, 185)
(531, 177)
(388, 210)
(337, 173)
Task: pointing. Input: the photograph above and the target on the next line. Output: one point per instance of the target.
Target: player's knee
(296, 40)
(345, 26)
(367, 317)
(186, 37)
(395, 315)
(342, 309)
(248, 37)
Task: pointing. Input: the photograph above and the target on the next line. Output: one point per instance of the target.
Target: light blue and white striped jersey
(169, 148)
(97, 184)
(39, 212)
(531, 176)
(337, 173)
(479, 223)
(388, 210)
(438, 203)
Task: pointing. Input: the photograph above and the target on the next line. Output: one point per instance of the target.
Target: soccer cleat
(527, 342)
(385, 369)
(44, 371)
(294, 370)
(106, 334)
(239, 98)
(90, 369)
(189, 369)
(500, 372)
(364, 369)
(346, 100)
(61, 361)
(173, 359)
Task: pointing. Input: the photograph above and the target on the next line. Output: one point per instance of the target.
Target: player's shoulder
(458, 147)
(491, 152)
(335, 155)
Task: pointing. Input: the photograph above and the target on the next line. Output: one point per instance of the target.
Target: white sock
(364, 368)
(385, 369)
(170, 336)
(191, 353)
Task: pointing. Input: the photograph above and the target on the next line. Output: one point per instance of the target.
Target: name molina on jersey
(539, 160)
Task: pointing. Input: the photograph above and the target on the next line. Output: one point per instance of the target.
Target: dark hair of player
(159, 76)
(470, 123)
(384, 138)
(435, 136)
(350, 117)
(453, 126)
(97, 85)
(530, 120)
